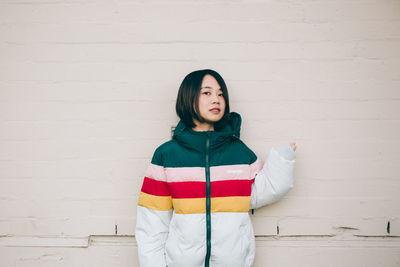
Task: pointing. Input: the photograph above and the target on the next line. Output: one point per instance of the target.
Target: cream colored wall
(87, 92)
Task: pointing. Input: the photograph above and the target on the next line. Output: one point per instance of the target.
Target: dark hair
(188, 95)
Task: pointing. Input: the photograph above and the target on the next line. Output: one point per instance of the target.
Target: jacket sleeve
(275, 179)
(154, 213)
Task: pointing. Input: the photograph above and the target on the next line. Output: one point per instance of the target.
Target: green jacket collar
(196, 140)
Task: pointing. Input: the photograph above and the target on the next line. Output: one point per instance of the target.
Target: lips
(215, 110)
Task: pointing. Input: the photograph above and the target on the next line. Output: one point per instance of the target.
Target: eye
(206, 93)
(221, 94)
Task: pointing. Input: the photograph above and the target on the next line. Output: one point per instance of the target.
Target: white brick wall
(87, 92)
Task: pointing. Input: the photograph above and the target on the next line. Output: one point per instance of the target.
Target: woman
(195, 199)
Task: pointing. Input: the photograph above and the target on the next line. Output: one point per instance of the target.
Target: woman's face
(211, 100)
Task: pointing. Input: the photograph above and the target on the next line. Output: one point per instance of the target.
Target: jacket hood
(196, 140)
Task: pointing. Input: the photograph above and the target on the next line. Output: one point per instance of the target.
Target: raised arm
(275, 179)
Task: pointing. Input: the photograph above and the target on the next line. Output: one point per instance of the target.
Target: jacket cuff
(286, 151)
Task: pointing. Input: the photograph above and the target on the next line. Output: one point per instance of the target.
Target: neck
(202, 127)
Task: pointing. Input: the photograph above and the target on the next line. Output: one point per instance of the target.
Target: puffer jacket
(193, 208)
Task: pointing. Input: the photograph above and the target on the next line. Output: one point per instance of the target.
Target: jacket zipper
(208, 202)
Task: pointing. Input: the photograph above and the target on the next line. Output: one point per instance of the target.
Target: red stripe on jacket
(154, 187)
(225, 188)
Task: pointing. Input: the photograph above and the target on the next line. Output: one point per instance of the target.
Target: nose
(215, 98)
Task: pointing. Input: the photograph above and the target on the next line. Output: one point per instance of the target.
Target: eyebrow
(209, 87)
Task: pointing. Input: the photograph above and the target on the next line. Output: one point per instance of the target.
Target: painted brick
(87, 92)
